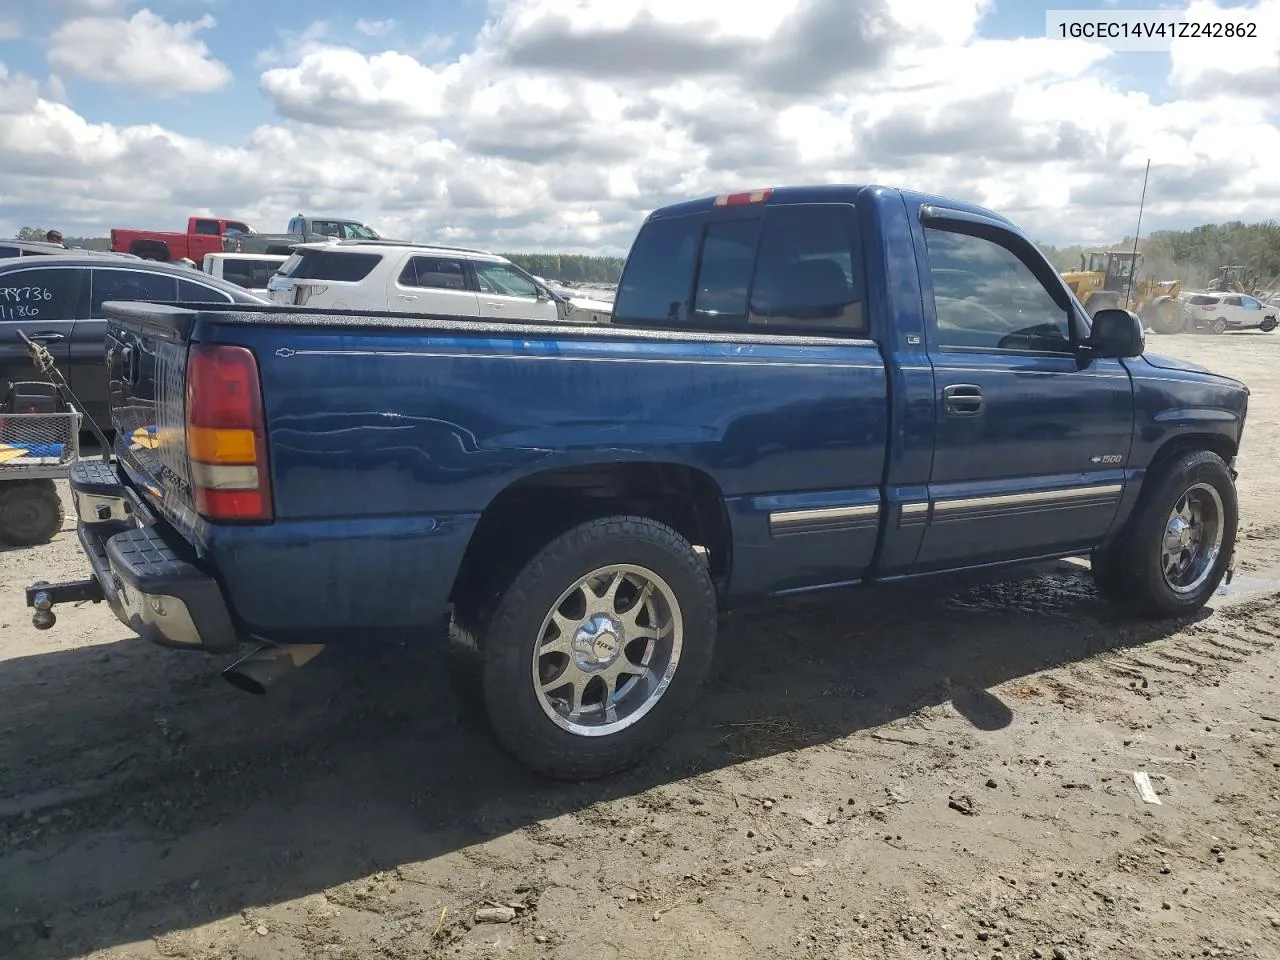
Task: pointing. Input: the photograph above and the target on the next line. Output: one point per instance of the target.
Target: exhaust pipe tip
(263, 666)
(245, 681)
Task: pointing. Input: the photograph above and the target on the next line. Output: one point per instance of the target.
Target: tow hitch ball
(42, 596)
(44, 617)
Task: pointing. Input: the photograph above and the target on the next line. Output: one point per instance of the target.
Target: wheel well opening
(1224, 447)
(530, 513)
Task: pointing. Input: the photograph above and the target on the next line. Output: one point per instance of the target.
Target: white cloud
(10, 30)
(346, 88)
(146, 52)
(375, 28)
(567, 120)
(1249, 67)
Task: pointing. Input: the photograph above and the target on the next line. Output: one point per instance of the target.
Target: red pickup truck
(204, 235)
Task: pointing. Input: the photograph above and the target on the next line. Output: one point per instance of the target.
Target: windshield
(358, 231)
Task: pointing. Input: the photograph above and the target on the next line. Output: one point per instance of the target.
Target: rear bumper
(148, 580)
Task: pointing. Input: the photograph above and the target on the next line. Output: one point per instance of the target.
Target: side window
(724, 273)
(108, 284)
(326, 228)
(40, 294)
(498, 278)
(658, 274)
(10, 252)
(986, 298)
(809, 271)
(189, 292)
(1251, 304)
(235, 226)
(1232, 301)
(209, 228)
(239, 272)
(437, 272)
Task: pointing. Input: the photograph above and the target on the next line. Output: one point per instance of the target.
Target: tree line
(574, 267)
(82, 243)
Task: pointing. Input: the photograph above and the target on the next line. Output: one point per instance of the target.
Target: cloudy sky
(557, 124)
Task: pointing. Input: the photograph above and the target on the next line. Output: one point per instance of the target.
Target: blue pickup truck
(801, 388)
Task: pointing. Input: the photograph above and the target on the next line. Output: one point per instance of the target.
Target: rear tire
(31, 512)
(1219, 326)
(617, 617)
(1174, 552)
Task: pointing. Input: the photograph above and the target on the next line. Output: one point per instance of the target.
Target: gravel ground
(905, 773)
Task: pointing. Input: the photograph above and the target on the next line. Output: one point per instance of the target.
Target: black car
(58, 301)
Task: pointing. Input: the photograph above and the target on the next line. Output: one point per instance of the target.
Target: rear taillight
(227, 434)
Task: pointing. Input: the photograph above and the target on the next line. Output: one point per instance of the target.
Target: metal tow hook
(44, 617)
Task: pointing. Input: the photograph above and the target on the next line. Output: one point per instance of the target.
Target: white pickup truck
(423, 278)
(248, 270)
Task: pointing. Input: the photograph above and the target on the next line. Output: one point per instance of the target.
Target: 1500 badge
(1109, 458)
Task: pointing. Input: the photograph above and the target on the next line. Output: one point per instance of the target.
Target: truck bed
(389, 434)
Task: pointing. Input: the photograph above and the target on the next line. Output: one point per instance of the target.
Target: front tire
(1166, 317)
(1174, 552)
(598, 647)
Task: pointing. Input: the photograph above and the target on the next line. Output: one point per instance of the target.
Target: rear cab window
(784, 268)
(341, 266)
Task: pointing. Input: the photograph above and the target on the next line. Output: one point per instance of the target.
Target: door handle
(495, 305)
(405, 296)
(46, 337)
(962, 399)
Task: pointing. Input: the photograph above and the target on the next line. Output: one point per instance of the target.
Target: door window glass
(498, 278)
(987, 298)
(441, 273)
(40, 293)
(110, 284)
(189, 292)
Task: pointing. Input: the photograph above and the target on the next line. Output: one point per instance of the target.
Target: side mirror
(544, 295)
(1116, 334)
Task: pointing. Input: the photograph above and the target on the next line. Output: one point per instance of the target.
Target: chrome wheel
(607, 651)
(1192, 539)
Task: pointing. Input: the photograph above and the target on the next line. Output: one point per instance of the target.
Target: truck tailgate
(146, 367)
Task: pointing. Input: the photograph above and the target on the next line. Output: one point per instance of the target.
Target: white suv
(422, 278)
(1221, 311)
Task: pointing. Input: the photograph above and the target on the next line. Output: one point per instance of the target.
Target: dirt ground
(906, 773)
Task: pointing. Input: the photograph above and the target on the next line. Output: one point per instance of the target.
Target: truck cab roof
(821, 193)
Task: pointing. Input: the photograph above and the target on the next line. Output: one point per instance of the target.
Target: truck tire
(30, 512)
(1166, 316)
(1174, 551)
(598, 647)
